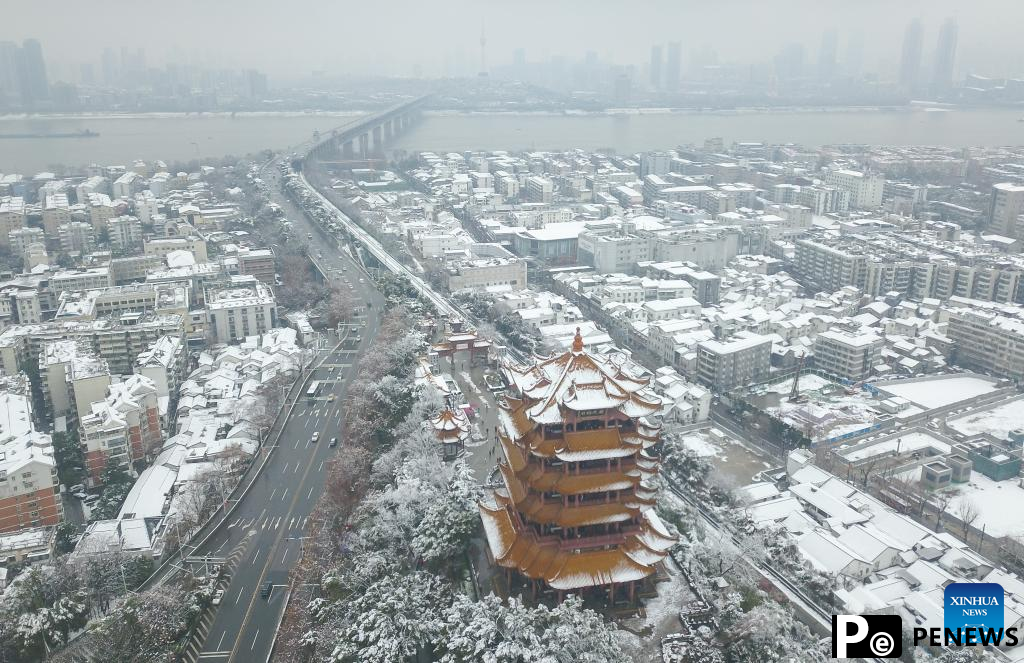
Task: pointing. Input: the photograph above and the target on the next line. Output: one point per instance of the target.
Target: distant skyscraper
(828, 54)
(945, 57)
(32, 74)
(674, 65)
(519, 57)
(910, 62)
(656, 65)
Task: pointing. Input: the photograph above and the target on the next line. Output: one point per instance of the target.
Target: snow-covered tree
(493, 631)
(450, 519)
(393, 620)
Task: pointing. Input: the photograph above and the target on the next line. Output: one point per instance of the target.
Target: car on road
(316, 436)
(217, 597)
(330, 399)
(80, 495)
(334, 441)
(267, 588)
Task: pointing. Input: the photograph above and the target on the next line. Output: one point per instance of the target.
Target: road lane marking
(253, 646)
(321, 468)
(285, 468)
(273, 492)
(283, 495)
(222, 636)
(296, 470)
(237, 599)
(284, 556)
(310, 496)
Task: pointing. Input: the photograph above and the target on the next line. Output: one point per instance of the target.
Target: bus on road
(314, 389)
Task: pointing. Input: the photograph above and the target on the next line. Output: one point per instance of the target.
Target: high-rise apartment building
(910, 59)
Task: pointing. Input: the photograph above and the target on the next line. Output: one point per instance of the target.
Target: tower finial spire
(577, 342)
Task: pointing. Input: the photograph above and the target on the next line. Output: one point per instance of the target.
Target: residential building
(988, 341)
(539, 189)
(865, 189)
(29, 488)
(242, 307)
(850, 355)
(1005, 207)
(726, 365)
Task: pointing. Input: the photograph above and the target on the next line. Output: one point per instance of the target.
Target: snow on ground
(941, 391)
(828, 416)
(662, 611)
(904, 443)
(997, 421)
(700, 443)
(809, 382)
(998, 504)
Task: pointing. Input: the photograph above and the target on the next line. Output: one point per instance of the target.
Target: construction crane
(794, 393)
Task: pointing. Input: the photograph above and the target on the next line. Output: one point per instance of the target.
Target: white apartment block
(80, 279)
(12, 216)
(1006, 206)
(244, 307)
(125, 232)
(850, 355)
(56, 211)
(539, 189)
(865, 189)
(726, 365)
(163, 362)
(77, 237)
(988, 341)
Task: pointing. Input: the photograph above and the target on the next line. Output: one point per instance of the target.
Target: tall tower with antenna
(483, 50)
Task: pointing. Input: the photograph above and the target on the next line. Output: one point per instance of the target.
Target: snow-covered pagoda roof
(450, 425)
(580, 381)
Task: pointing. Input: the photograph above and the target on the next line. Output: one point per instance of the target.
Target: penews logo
(867, 636)
(972, 616)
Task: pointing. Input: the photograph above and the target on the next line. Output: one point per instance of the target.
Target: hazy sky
(294, 37)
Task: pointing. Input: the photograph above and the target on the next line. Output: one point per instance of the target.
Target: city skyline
(987, 43)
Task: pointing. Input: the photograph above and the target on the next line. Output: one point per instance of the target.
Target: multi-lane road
(262, 539)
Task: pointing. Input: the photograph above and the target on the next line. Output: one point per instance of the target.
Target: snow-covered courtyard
(901, 444)
(998, 504)
(940, 391)
(997, 421)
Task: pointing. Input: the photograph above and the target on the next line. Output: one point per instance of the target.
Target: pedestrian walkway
(482, 452)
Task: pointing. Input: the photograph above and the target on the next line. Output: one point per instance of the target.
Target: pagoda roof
(562, 569)
(450, 425)
(579, 380)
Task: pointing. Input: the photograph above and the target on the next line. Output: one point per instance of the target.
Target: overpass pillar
(346, 150)
(364, 145)
(389, 129)
(378, 142)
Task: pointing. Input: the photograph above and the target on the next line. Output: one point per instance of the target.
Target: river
(174, 137)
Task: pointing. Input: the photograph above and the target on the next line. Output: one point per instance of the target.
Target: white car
(217, 597)
(316, 436)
